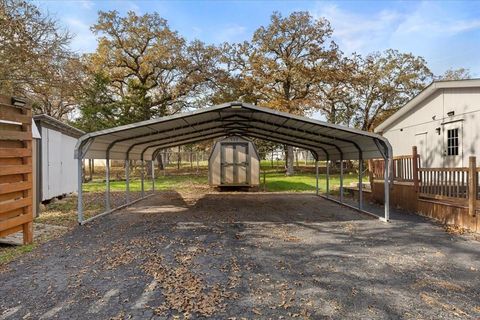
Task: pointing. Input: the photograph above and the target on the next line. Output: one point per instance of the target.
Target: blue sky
(446, 34)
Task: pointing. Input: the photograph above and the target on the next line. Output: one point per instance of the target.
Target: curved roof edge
(85, 140)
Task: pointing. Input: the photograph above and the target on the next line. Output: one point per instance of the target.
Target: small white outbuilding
(234, 162)
(56, 165)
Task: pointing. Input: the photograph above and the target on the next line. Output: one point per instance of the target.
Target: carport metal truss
(143, 140)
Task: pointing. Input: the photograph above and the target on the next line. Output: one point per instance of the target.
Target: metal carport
(143, 140)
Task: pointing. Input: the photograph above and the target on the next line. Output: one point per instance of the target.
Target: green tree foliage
(97, 106)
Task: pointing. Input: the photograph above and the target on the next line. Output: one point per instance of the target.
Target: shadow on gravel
(251, 255)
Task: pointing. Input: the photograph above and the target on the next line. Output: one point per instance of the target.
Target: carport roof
(141, 140)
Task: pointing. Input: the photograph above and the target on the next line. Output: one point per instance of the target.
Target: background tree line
(142, 69)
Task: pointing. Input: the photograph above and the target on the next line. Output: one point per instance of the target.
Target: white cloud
(84, 40)
(356, 32)
(87, 4)
(429, 29)
(431, 19)
(231, 33)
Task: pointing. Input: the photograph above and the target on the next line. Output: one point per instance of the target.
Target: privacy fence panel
(16, 168)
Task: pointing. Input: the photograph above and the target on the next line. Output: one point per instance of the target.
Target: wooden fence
(444, 182)
(15, 168)
(447, 194)
(459, 185)
(402, 167)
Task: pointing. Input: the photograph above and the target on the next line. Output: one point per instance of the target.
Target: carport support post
(107, 180)
(328, 178)
(341, 179)
(360, 182)
(142, 179)
(80, 191)
(127, 178)
(153, 175)
(386, 183)
(316, 177)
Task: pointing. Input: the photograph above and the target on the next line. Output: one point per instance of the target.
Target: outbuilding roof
(422, 96)
(142, 139)
(45, 120)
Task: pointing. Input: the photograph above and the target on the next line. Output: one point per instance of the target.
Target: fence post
(472, 185)
(415, 168)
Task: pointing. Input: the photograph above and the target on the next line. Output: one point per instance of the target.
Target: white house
(54, 160)
(443, 121)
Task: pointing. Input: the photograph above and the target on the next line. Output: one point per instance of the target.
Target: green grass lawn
(267, 164)
(278, 182)
(275, 182)
(161, 183)
(8, 254)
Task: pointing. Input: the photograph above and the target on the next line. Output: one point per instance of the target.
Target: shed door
(234, 163)
(453, 151)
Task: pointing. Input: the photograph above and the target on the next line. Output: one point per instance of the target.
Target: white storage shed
(234, 161)
(56, 164)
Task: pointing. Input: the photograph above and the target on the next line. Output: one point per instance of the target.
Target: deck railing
(402, 167)
(458, 185)
(444, 182)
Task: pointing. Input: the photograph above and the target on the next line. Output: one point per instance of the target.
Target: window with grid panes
(452, 142)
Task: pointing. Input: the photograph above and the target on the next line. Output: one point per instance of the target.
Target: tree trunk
(90, 169)
(160, 161)
(289, 158)
(179, 159)
(148, 164)
(84, 176)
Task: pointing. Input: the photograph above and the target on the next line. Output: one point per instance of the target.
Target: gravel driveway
(246, 255)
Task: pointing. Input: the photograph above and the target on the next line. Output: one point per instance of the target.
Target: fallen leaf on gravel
(258, 313)
(430, 300)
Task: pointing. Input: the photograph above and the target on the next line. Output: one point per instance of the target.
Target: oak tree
(384, 83)
(153, 71)
(284, 62)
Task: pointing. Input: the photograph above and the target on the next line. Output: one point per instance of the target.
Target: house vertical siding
(428, 121)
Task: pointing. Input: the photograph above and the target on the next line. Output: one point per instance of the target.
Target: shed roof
(423, 95)
(142, 139)
(45, 120)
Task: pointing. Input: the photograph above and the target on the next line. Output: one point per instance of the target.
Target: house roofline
(423, 95)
